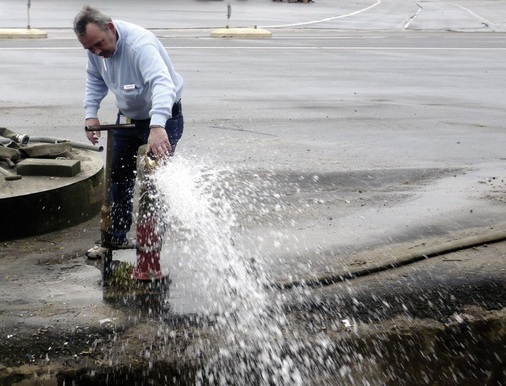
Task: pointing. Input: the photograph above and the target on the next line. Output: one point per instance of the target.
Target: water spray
(252, 340)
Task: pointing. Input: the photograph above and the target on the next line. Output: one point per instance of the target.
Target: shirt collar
(119, 40)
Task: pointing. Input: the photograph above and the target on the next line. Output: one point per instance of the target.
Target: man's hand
(93, 136)
(158, 142)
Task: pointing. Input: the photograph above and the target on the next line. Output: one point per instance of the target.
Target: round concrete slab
(36, 205)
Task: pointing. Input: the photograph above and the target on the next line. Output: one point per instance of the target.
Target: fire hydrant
(150, 228)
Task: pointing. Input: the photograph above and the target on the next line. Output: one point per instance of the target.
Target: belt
(176, 110)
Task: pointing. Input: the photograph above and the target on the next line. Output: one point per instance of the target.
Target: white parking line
(483, 20)
(324, 20)
(406, 26)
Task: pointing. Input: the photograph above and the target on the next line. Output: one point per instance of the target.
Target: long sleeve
(157, 78)
(140, 74)
(96, 90)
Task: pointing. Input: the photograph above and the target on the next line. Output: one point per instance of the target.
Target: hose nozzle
(23, 139)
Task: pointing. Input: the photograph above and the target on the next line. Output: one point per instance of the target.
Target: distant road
(391, 15)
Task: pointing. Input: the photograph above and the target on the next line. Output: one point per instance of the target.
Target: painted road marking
(378, 2)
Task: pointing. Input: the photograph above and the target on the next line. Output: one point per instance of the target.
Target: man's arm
(96, 90)
(163, 96)
(156, 76)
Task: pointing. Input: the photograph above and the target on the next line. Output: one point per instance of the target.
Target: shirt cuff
(158, 120)
(90, 112)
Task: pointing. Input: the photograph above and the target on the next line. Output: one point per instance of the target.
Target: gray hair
(87, 15)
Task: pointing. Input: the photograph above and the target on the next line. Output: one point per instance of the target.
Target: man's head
(95, 31)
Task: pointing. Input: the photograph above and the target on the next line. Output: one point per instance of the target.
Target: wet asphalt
(379, 126)
(368, 131)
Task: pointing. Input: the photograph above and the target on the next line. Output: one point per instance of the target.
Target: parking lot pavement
(367, 15)
(373, 141)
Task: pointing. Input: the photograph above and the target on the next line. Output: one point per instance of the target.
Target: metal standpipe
(105, 211)
(149, 226)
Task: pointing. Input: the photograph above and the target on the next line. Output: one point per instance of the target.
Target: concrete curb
(22, 33)
(250, 33)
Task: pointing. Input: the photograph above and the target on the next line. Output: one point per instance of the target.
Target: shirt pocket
(131, 91)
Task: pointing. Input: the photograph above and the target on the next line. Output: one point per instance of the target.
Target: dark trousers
(124, 164)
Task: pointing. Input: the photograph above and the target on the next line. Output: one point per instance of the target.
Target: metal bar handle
(109, 127)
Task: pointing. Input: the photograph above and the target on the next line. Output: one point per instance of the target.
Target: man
(132, 63)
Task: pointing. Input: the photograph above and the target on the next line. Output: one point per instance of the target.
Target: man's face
(98, 41)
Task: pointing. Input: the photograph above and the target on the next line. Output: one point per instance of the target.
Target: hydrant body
(149, 223)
